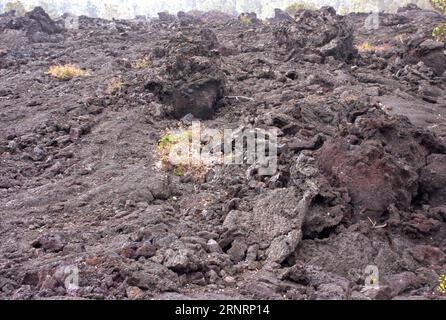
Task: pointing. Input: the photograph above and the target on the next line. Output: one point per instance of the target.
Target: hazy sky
(128, 8)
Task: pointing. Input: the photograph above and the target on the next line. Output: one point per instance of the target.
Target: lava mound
(323, 33)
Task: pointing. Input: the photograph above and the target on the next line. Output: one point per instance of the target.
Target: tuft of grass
(439, 32)
(179, 171)
(169, 140)
(367, 47)
(245, 20)
(141, 63)
(167, 144)
(66, 72)
(114, 86)
(442, 284)
(439, 5)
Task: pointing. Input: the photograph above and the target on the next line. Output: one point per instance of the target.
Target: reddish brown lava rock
(373, 178)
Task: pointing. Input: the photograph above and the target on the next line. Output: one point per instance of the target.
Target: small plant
(169, 145)
(66, 72)
(115, 86)
(439, 32)
(141, 63)
(364, 47)
(442, 284)
(367, 47)
(168, 142)
(439, 5)
(245, 19)
(294, 8)
(179, 171)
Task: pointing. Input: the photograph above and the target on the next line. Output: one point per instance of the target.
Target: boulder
(275, 223)
(430, 52)
(373, 178)
(198, 98)
(433, 179)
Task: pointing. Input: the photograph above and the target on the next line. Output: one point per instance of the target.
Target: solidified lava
(361, 177)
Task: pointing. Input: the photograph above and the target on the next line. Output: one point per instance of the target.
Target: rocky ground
(362, 157)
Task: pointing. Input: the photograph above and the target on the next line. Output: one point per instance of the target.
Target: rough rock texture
(194, 83)
(198, 98)
(276, 226)
(433, 179)
(36, 24)
(360, 180)
(373, 179)
(333, 36)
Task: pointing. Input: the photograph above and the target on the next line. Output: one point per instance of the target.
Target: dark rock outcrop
(322, 32)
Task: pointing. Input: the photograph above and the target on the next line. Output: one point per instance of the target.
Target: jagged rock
(34, 22)
(166, 17)
(433, 179)
(49, 242)
(159, 187)
(280, 15)
(181, 260)
(208, 39)
(275, 222)
(213, 246)
(399, 283)
(195, 83)
(154, 276)
(428, 255)
(198, 98)
(428, 51)
(329, 285)
(323, 31)
(237, 251)
(374, 179)
(147, 250)
(187, 19)
(43, 20)
(323, 253)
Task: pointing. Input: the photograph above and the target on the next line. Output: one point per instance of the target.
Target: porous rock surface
(361, 171)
